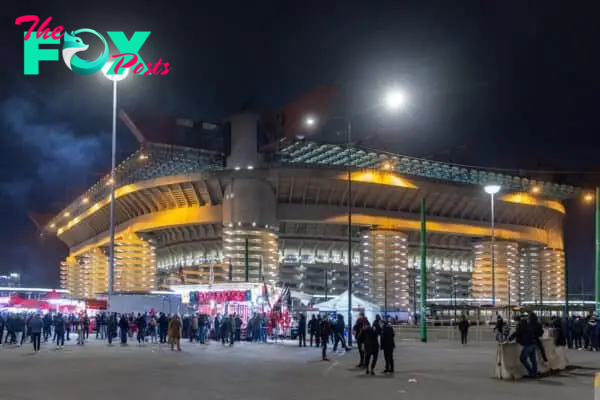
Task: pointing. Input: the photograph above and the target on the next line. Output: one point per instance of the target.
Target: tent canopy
(340, 303)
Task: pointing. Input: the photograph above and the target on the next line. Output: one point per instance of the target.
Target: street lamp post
(349, 173)
(393, 100)
(492, 190)
(454, 296)
(115, 78)
(597, 251)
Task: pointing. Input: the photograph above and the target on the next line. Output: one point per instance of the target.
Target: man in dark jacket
(47, 329)
(368, 339)
(361, 323)
(124, 329)
(325, 333)
(312, 329)
(60, 326)
(140, 323)
(111, 328)
(163, 327)
(524, 335)
(463, 327)
(35, 328)
(302, 331)
(339, 329)
(388, 345)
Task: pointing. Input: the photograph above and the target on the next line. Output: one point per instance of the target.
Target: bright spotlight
(492, 189)
(310, 121)
(114, 77)
(395, 100)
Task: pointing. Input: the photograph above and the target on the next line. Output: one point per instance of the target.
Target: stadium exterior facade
(198, 216)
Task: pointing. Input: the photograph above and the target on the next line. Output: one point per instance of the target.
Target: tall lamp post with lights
(492, 190)
(115, 78)
(393, 101)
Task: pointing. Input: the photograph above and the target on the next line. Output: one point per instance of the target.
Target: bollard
(597, 386)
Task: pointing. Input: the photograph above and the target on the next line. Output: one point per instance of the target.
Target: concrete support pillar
(385, 261)
(506, 270)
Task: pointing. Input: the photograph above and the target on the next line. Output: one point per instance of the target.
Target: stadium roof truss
(156, 160)
(311, 153)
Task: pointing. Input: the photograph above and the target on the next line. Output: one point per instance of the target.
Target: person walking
(463, 328)
(174, 333)
(339, 329)
(35, 327)
(388, 345)
(302, 331)
(368, 338)
(361, 323)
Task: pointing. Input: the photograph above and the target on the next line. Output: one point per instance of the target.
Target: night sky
(508, 84)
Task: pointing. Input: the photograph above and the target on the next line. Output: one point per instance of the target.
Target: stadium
(263, 205)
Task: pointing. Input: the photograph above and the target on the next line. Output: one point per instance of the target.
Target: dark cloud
(47, 155)
(42, 156)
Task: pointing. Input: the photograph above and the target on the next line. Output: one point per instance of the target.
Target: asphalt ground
(280, 371)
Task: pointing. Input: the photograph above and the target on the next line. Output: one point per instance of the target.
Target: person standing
(19, 329)
(312, 329)
(388, 345)
(152, 329)
(302, 331)
(140, 323)
(123, 329)
(194, 328)
(361, 323)
(368, 338)
(60, 326)
(238, 328)
(163, 327)
(35, 327)
(111, 328)
(318, 334)
(325, 333)
(499, 328)
(175, 333)
(463, 328)
(47, 326)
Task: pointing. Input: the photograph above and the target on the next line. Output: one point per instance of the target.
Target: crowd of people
(159, 328)
(370, 339)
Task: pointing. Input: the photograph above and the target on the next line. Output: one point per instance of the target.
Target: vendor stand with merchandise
(240, 298)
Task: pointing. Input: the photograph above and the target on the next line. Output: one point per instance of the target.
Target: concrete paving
(271, 371)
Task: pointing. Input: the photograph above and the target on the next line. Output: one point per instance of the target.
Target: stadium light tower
(115, 78)
(393, 100)
(492, 190)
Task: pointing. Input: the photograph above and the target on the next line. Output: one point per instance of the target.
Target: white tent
(340, 304)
